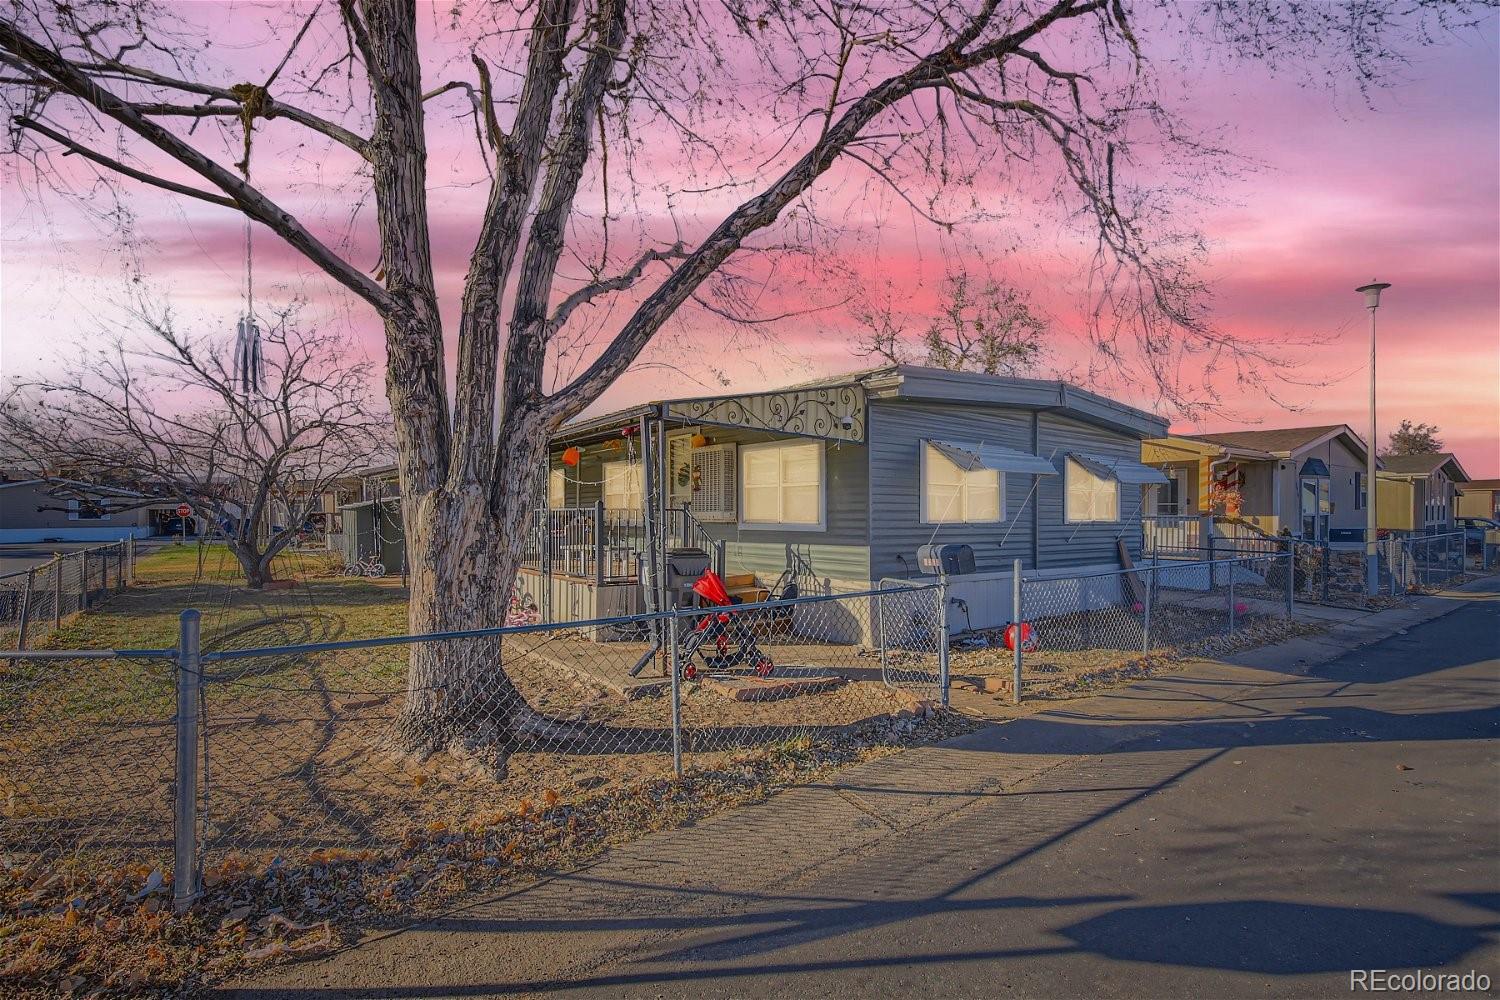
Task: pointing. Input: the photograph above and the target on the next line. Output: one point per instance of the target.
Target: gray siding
(897, 430)
(838, 555)
(1084, 544)
(1342, 465)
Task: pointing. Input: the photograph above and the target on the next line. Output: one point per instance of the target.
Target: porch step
(734, 580)
(750, 594)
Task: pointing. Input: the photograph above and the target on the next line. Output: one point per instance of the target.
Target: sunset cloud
(1334, 193)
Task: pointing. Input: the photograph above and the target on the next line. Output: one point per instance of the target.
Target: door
(1316, 504)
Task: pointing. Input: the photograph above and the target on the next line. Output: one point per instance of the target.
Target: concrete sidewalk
(1241, 828)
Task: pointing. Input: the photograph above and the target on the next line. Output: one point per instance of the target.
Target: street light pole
(1371, 293)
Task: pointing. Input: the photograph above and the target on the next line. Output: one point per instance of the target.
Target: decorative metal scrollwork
(834, 412)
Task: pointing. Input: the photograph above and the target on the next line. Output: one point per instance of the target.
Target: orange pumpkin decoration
(571, 456)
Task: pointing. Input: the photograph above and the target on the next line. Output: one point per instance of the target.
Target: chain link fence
(312, 751)
(86, 757)
(316, 750)
(1420, 562)
(1066, 631)
(34, 601)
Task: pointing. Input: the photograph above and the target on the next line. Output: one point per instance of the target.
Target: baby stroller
(719, 639)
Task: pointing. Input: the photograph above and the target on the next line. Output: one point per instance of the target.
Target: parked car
(1474, 529)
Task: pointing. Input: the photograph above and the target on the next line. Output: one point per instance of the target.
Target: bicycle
(368, 566)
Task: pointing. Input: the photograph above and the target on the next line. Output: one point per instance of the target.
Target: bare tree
(982, 327)
(922, 97)
(171, 421)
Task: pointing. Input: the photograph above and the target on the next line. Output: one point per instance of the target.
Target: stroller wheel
(763, 668)
(690, 671)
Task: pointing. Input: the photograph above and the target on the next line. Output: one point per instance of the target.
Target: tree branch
(121, 168)
(251, 201)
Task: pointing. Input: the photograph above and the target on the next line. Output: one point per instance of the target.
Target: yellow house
(1479, 498)
(1417, 493)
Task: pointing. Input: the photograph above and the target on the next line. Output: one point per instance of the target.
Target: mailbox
(951, 559)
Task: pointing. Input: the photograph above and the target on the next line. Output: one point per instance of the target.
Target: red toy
(1028, 638)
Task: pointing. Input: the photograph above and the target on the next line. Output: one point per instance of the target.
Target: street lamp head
(1372, 293)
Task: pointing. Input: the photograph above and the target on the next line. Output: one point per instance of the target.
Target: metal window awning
(1122, 470)
(969, 456)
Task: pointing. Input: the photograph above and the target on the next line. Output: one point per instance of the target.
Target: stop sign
(183, 510)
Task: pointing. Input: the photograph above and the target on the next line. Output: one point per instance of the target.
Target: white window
(1361, 499)
(712, 496)
(557, 489)
(1088, 495)
(952, 495)
(90, 511)
(622, 485)
(781, 485)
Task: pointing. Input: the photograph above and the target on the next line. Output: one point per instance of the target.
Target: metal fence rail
(33, 602)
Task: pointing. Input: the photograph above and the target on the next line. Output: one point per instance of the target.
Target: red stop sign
(183, 510)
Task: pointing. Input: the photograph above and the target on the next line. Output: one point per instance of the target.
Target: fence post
(1150, 575)
(599, 543)
(57, 565)
(942, 640)
(1291, 578)
(885, 668)
(1210, 554)
(1233, 565)
(120, 566)
(1016, 631)
(1323, 569)
(25, 607)
(185, 825)
(670, 626)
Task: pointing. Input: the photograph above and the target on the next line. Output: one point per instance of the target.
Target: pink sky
(1407, 191)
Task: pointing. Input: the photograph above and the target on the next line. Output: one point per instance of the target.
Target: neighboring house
(1479, 498)
(1307, 482)
(371, 526)
(836, 484)
(1417, 493)
(32, 511)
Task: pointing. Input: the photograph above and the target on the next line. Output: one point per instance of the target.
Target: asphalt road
(19, 556)
(1247, 833)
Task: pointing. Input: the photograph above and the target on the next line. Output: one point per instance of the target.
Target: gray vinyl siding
(1084, 544)
(896, 432)
(1342, 464)
(837, 555)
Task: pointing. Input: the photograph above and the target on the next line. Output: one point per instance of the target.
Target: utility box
(950, 559)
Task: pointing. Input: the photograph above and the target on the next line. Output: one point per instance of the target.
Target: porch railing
(593, 543)
(1166, 533)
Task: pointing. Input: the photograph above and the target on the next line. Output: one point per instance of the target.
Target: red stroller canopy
(711, 588)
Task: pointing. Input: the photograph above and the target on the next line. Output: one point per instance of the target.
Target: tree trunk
(464, 545)
(256, 569)
(462, 567)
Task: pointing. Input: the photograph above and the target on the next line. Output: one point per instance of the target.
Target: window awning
(969, 456)
(1121, 469)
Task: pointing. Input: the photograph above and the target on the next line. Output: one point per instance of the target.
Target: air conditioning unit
(951, 559)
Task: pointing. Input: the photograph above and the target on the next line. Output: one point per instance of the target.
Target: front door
(1315, 508)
